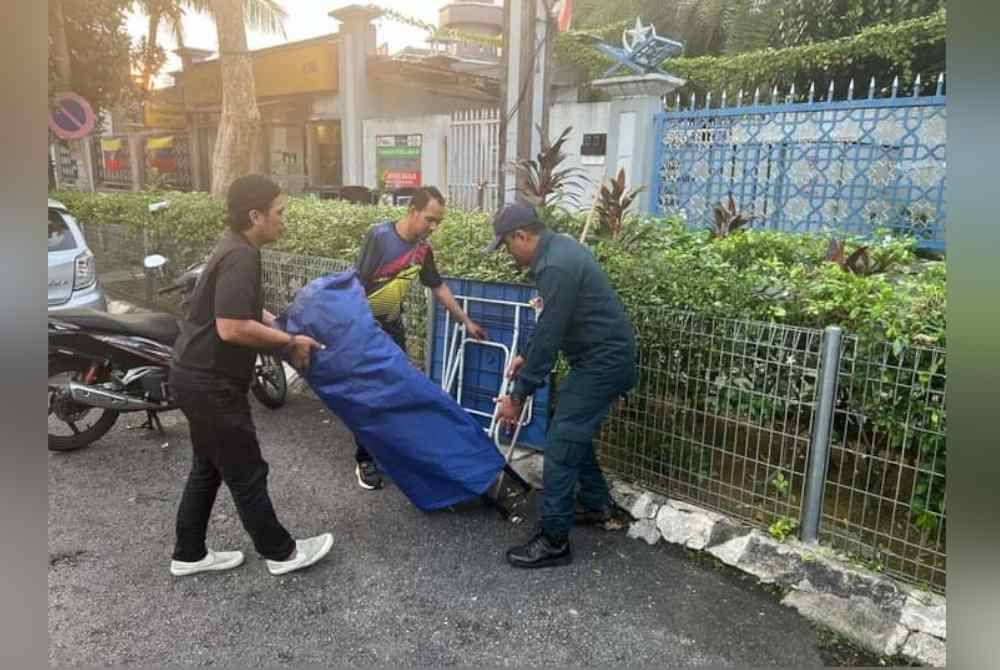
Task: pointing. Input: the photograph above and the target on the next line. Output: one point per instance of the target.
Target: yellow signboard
(164, 116)
(310, 68)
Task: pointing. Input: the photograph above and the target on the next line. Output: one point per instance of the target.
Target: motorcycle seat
(154, 326)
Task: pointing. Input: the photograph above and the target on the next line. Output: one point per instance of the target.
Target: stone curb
(873, 611)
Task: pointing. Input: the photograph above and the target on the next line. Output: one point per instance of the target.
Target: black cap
(510, 218)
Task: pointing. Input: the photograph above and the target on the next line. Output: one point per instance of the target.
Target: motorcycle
(102, 365)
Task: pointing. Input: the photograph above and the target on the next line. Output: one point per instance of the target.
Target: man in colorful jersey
(392, 256)
(582, 316)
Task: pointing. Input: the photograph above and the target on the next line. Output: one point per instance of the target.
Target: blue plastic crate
(483, 366)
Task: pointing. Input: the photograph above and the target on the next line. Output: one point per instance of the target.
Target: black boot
(540, 552)
(368, 475)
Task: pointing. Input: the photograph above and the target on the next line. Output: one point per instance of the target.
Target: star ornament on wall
(633, 37)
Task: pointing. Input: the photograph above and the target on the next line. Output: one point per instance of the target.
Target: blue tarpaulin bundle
(434, 451)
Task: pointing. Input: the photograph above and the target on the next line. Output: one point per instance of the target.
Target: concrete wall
(631, 144)
(287, 157)
(327, 107)
(393, 101)
(394, 110)
(591, 117)
(629, 124)
(433, 155)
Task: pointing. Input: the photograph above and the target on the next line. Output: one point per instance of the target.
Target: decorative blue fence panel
(849, 167)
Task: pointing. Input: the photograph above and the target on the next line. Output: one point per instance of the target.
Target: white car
(72, 271)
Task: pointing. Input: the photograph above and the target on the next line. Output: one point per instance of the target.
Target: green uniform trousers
(584, 399)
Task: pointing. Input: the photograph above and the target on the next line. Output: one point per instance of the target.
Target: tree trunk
(147, 66)
(238, 126)
(60, 49)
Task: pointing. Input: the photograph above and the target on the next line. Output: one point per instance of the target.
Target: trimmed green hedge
(758, 274)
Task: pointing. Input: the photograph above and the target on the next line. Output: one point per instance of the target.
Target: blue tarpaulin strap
(434, 451)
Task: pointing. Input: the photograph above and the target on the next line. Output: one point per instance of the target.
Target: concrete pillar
(312, 156)
(526, 56)
(190, 56)
(357, 43)
(632, 143)
(88, 181)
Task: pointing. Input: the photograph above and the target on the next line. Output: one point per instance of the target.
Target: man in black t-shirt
(395, 253)
(210, 376)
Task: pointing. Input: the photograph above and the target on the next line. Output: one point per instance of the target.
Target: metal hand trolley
(456, 342)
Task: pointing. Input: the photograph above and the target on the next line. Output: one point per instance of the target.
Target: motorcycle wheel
(64, 413)
(270, 386)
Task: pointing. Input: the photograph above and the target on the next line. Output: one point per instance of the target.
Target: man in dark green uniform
(582, 316)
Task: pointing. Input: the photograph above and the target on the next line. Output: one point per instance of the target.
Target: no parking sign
(71, 117)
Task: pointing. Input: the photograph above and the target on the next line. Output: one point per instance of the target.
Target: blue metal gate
(848, 167)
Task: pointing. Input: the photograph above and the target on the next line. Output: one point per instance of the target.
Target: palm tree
(59, 46)
(727, 26)
(704, 26)
(89, 51)
(265, 16)
(168, 12)
(805, 21)
(240, 117)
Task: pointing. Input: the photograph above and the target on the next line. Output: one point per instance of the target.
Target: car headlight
(86, 271)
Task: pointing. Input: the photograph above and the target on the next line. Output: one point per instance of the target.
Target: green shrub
(757, 274)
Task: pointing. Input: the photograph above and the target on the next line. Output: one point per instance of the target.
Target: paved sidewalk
(399, 587)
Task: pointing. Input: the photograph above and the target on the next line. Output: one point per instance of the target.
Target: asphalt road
(400, 586)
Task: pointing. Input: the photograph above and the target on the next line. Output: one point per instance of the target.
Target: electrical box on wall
(594, 148)
(594, 144)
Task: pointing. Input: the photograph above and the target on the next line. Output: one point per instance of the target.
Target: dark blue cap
(510, 218)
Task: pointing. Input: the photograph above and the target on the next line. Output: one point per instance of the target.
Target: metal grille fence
(885, 492)
(725, 416)
(113, 162)
(721, 416)
(473, 151)
(170, 166)
(119, 251)
(851, 166)
(284, 274)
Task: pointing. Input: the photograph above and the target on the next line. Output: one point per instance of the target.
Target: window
(60, 236)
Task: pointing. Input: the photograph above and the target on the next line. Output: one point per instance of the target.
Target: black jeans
(225, 449)
(397, 331)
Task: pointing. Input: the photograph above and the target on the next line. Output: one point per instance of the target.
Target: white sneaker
(214, 560)
(307, 552)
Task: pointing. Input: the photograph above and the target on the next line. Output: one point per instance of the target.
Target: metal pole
(429, 334)
(819, 447)
(146, 271)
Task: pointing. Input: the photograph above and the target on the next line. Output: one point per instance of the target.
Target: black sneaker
(368, 475)
(592, 517)
(540, 552)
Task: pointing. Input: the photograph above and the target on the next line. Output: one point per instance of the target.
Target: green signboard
(397, 160)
